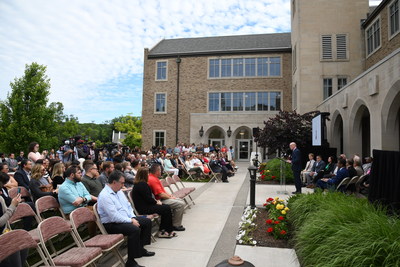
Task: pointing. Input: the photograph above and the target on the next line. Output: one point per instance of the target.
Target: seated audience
(367, 166)
(358, 168)
(307, 170)
(12, 183)
(12, 163)
(58, 174)
(217, 168)
(146, 204)
(107, 169)
(177, 205)
(318, 167)
(129, 174)
(91, 182)
(168, 167)
(116, 214)
(342, 173)
(350, 168)
(38, 185)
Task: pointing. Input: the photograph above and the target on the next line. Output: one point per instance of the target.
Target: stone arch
(360, 129)
(390, 116)
(215, 135)
(337, 132)
(248, 132)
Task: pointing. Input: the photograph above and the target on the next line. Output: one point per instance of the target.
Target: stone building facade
(225, 86)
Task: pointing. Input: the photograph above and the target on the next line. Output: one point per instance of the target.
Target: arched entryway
(337, 133)
(243, 143)
(360, 138)
(216, 136)
(391, 119)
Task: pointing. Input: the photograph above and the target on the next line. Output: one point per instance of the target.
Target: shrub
(271, 170)
(338, 230)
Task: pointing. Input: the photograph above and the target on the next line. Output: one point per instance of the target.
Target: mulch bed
(267, 182)
(262, 237)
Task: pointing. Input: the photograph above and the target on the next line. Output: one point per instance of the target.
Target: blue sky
(93, 50)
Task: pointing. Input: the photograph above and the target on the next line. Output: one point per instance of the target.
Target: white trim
(155, 103)
(391, 36)
(380, 36)
(159, 131)
(166, 71)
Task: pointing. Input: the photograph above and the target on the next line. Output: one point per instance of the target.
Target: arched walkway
(337, 132)
(360, 136)
(391, 119)
(215, 136)
(243, 143)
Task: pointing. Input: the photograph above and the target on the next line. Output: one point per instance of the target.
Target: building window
(245, 67)
(214, 68)
(373, 37)
(226, 67)
(213, 102)
(394, 17)
(294, 97)
(294, 62)
(326, 47)
(160, 103)
(226, 101)
(244, 101)
(341, 46)
(238, 67)
(341, 82)
(161, 70)
(159, 138)
(327, 87)
(262, 101)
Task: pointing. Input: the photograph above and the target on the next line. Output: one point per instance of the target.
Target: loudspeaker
(256, 131)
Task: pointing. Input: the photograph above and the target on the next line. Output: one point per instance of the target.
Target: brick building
(223, 86)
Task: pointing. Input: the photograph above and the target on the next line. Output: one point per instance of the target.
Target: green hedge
(274, 166)
(338, 230)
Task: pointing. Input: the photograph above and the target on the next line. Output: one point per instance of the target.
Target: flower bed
(247, 226)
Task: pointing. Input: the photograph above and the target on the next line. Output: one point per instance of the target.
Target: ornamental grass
(338, 230)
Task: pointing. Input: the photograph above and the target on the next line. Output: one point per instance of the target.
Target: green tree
(25, 115)
(132, 126)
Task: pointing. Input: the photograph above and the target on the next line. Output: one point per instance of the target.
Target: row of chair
(179, 191)
(347, 183)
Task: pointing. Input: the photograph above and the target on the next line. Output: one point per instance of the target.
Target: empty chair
(74, 257)
(107, 242)
(184, 190)
(351, 184)
(177, 194)
(17, 240)
(24, 210)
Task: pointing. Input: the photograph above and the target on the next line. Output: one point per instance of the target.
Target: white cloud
(93, 48)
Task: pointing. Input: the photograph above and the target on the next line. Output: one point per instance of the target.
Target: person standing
(296, 166)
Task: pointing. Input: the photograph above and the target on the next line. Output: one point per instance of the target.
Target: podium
(282, 181)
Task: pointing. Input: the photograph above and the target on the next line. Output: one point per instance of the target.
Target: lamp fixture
(229, 132)
(201, 131)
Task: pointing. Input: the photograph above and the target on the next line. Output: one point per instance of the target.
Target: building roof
(222, 45)
(374, 11)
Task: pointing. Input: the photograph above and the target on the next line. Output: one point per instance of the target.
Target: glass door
(244, 150)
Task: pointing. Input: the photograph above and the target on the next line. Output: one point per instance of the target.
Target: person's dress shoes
(179, 228)
(147, 253)
(296, 192)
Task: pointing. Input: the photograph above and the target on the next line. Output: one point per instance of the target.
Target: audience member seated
(58, 174)
(129, 175)
(146, 204)
(12, 163)
(12, 183)
(329, 170)
(168, 167)
(38, 185)
(91, 181)
(177, 205)
(135, 166)
(116, 214)
(318, 167)
(190, 166)
(358, 168)
(217, 168)
(367, 166)
(350, 168)
(307, 170)
(342, 173)
(107, 168)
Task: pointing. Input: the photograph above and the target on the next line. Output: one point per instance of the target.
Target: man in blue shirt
(72, 194)
(116, 214)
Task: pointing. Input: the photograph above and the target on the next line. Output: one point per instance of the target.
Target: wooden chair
(74, 257)
(17, 240)
(107, 242)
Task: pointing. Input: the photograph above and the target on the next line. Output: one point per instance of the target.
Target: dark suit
(22, 179)
(217, 168)
(296, 168)
(335, 180)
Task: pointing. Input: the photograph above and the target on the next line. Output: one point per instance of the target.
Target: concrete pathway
(211, 227)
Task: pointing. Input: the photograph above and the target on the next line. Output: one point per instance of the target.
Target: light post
(253, 176)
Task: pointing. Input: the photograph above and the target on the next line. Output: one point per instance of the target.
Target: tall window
(373, 37)
(161, 70)
(294, 62)
(245, 67)
(213, 102)
(160, 103)
(244, 101)
(327, 87)
(394, 17)
(226, 67)
(159, 138)
(226, 101)
(237, 67)
(341, 82)
(214, 68)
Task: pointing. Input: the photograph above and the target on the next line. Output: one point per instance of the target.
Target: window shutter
(341, 46)
(326, 47)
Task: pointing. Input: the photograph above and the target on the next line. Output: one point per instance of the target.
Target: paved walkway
(211, 228)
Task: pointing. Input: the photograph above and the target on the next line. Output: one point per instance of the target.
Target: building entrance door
(243, 150)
